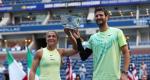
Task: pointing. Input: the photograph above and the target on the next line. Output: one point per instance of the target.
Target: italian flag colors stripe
(15, 71)
(29, 60)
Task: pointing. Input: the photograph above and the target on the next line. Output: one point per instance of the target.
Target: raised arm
(70, 52)
(84, 53)
(71, 37)
(35, 64)
(74, 35)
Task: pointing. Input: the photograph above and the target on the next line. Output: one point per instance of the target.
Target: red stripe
(69, 74)
(129, 78)
(25, 78)
(133, 74)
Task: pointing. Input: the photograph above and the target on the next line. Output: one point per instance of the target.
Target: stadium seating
(135, 58)
(121, 21)
(1, 76)
(76, 62)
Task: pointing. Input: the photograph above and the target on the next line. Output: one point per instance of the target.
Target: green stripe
(29, 58)
(10, 57)
(29, 61)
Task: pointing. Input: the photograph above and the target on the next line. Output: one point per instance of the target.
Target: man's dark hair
(102, 9)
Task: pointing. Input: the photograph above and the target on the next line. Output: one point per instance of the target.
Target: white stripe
(15, 71)
(130, 75)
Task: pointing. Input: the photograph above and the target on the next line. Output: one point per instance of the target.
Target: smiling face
(101, 18)
(51, 38)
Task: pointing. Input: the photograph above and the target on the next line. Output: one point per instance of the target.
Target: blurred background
(25, 22)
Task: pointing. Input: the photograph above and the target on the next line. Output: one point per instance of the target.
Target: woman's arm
(35, 64)
(73, 50)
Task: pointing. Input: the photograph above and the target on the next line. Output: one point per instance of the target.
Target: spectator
(144, 70)
(2, 68)
(17, 47)
(6, 74)
(82, 71)
(140, 73)
(77, 77)
(74, 75)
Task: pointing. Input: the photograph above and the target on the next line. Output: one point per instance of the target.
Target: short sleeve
(85, 44)
(121, 38)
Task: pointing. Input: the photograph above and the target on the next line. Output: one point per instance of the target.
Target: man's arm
(84, 53)
(126, 55)
(77, 45)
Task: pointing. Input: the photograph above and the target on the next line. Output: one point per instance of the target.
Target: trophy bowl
(71, 22)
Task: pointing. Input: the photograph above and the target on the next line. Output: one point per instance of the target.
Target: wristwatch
(124, 72)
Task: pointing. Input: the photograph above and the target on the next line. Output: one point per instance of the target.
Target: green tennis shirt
(50, 65)
(107, 53)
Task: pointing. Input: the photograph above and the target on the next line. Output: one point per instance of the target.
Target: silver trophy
(71, 22)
